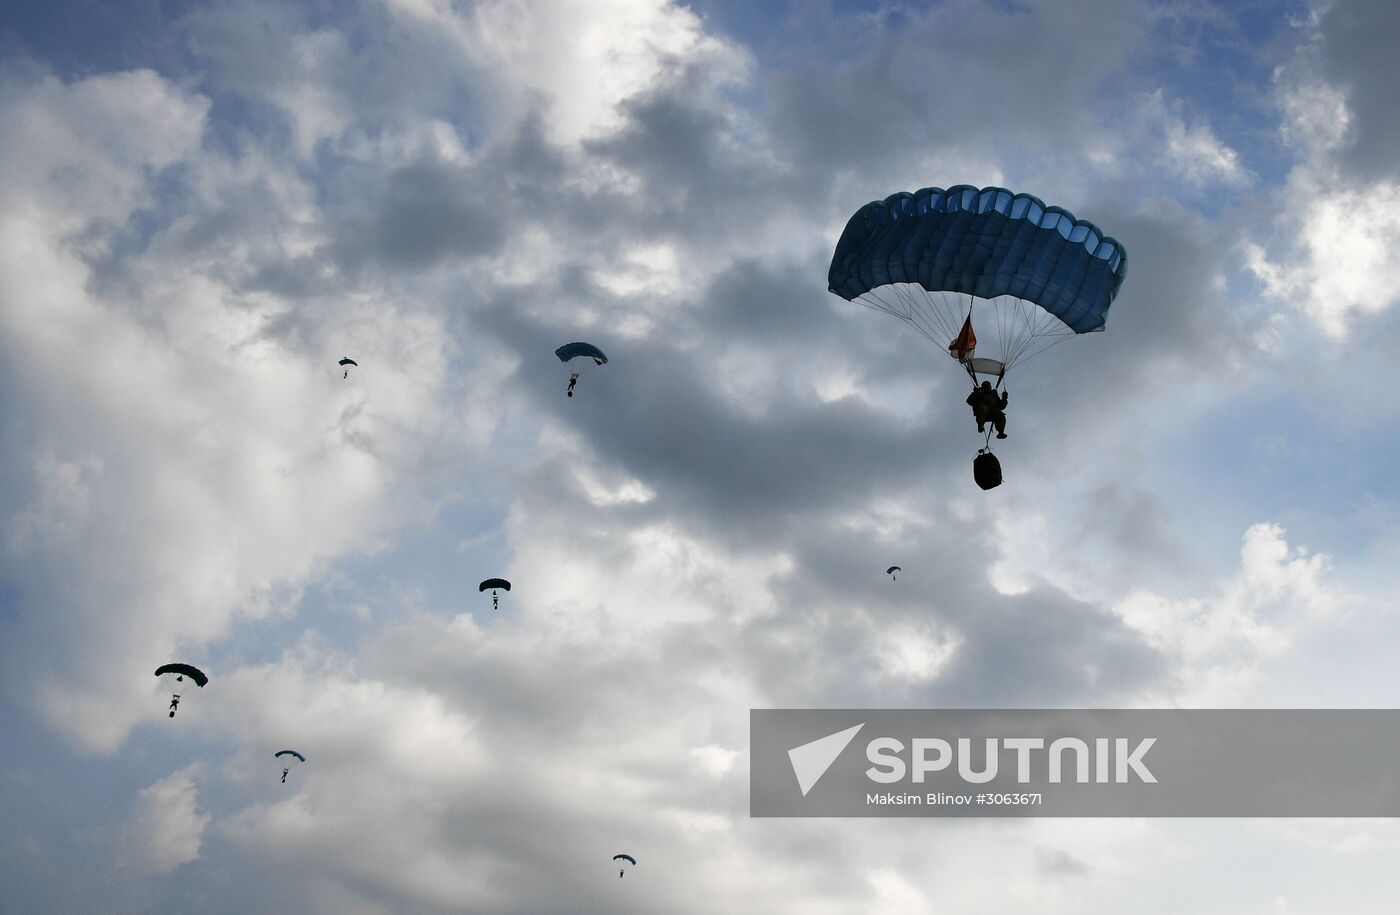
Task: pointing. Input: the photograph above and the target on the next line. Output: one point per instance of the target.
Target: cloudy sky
(203, 206)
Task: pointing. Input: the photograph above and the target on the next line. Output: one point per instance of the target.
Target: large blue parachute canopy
(625, 858)
(280, 753)
(923, 257)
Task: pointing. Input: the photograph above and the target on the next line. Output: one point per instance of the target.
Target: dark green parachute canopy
(184, 670)
(625, 858)
(494, 583)
(289, 753)
(574, 350)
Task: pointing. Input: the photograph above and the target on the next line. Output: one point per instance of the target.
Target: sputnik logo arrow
(811, 760)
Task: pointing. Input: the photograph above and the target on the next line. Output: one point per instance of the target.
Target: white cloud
(192, 465)
(1220, 643)
(583, 58)
(1191, 149)
(1341, 265)
(1330, 255)
(166, 827)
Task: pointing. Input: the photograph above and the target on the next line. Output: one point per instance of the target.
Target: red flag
(965, 345)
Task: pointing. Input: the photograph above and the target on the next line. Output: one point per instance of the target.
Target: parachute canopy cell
(494, 583)
(290, 753)
(984, 243)
(574, 350)
(625, 858)
(348, 361)
(184, 670)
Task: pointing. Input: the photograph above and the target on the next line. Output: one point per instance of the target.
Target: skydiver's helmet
(986, 384)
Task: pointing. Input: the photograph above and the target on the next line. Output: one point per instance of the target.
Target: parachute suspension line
(934, 320)
(924, 316)
(1022, 331)
(1044, 332)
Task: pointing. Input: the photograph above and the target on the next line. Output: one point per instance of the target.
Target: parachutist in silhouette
(988, 406)
(573, 380)
(284, 775)
(174, 704)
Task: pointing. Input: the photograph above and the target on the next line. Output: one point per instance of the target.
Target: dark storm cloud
(1039, 646)
(655, 411)
(425, 213)
(1358, 53)
(961, 75)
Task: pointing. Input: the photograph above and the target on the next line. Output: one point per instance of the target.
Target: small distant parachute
(175, 674)
(570, 351)
(495, 584)
(893, 569)
(181, 671)
(628, 858)
(345, 363)
(291, 757)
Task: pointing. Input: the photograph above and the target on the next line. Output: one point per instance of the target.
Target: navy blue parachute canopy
(573, 350)
(494, 583)
(892, 569)
(290, 753)
(184, 670)
(984, 243)
(923, 257)
(348, 361)
(625, 858)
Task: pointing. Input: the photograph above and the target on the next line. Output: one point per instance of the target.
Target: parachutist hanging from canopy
(1036, 272)
(291, 757)
(176, 673)
(345, 363)
(494, 584)
(989, 407)
(570, 351)
(629, 859)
